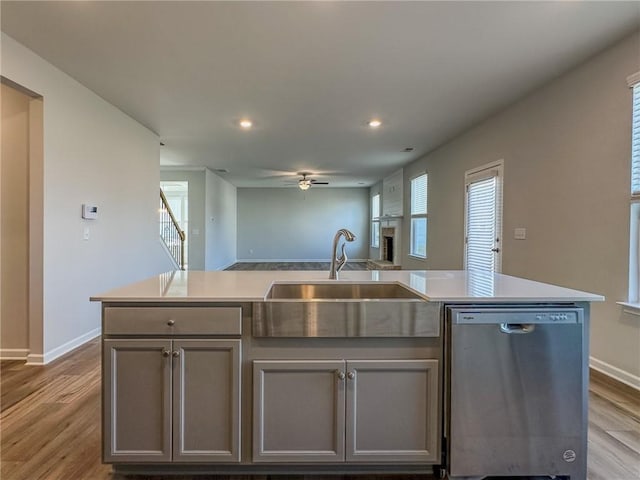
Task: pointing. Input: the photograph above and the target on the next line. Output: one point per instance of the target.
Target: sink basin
(340, 291)
(336, 309)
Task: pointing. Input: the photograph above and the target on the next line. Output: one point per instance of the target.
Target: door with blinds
(483, 218)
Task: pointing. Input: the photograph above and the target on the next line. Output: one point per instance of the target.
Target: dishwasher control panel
(516, 315)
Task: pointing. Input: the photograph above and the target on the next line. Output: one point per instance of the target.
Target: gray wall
(566, 150)
(196, 236)
(289, 224)
(93, 153)
(221, 216)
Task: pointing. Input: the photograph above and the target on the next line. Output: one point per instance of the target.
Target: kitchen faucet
(337, 262)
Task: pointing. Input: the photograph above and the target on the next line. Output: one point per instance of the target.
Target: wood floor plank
(50, 426)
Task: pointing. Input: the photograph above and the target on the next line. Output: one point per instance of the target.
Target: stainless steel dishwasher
(517, 391)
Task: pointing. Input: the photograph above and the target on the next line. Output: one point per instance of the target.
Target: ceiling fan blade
(315, 182)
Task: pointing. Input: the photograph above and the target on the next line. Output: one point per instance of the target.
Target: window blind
(375, 207)
(481, 224)
(419, 195)
(635, 142)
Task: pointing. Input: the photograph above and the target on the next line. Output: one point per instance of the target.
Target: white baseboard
(62, 349)
(615, 373)
(227, 265)
(14, 353)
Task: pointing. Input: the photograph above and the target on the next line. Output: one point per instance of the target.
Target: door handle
(517, 328)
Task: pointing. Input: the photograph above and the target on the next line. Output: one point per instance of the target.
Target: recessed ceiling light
(375, 123)
(246, 123)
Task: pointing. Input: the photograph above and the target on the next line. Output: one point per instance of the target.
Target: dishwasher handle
(517, 328)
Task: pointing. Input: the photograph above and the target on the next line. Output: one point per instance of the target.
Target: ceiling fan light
(304, 184)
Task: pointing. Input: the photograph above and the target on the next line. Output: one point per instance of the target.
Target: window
(418, 244)
(634, 252)
(375, 221)
(483, 218)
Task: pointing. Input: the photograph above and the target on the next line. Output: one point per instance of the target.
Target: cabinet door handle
(340, 374)
(351, 375)
(166, 353)
(176, 353)
(171, 323)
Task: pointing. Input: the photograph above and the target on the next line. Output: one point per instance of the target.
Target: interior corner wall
(566, 149)
(196, 236)
(377, 189)
(221, 218)
(93, 153)
(287, 224)
(14, 168)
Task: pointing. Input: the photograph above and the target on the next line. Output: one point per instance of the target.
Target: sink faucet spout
(337, 262)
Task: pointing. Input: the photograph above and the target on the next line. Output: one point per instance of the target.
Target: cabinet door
(137, 401)
(298, 411)
(392, 411)
(206, 399)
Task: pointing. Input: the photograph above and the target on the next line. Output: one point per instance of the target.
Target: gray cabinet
(298, 413)
(137, 400)
(372, 411)
(171, 400)
(392, 411)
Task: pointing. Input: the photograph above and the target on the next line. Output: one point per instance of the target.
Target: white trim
(615, 373)
(631, 308)
(62, 349)
(227, 265)
(14, 353)
(633, 79)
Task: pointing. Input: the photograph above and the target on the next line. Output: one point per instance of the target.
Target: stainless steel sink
(345, 310)
(340, 291)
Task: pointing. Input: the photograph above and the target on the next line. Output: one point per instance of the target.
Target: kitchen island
(214, 372)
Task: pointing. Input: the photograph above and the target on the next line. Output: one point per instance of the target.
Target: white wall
(288, 224)
(196, 236)
(14, 165)
(221, 215)
(93, 153)
(566, 150)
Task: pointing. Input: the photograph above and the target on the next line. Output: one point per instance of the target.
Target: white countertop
(433, 285)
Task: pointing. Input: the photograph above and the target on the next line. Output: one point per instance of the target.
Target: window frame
(375, 221)
(633, 82)
(415, 216)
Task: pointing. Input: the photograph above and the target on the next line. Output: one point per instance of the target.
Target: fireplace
(389, 257)
(387, 248)
(387, 253)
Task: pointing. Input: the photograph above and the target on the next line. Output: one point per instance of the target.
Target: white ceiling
(311, 74)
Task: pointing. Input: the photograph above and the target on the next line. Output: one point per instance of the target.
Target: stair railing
(170, 232)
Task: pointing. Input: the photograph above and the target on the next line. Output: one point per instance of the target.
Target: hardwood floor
(294, 266)
(50, 424)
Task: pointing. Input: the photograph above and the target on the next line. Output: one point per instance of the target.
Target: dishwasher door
(517, 392)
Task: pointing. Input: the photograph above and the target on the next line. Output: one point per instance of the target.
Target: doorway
(483, 218)
(177, 194)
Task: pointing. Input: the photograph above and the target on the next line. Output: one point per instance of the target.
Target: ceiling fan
(305, 183)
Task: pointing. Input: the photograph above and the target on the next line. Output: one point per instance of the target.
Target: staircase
(171, 233)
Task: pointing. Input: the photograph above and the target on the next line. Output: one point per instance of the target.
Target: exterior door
(483, 218)
(206, 399)
(298, 412)
(392, 411)
(137, 400)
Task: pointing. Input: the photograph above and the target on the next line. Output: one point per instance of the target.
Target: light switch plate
(520, 233)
